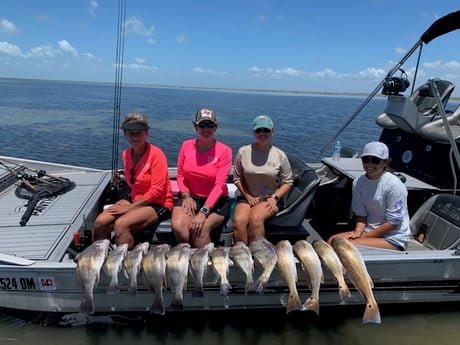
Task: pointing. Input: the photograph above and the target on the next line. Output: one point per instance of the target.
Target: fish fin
(312, 304)
(372, 313)
(371, 283)
(294, 303)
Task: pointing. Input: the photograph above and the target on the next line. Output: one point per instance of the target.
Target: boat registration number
(22, 283)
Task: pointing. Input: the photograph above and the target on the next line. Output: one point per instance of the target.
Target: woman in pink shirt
(202, 171)
(146, 173)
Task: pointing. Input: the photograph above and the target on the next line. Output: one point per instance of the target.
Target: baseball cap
(376, 149)
(262, 121)
(205, 115)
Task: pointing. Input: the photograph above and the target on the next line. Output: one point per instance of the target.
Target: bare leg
(180, 224)
(240, 222)
(135, 220)
(259, 214)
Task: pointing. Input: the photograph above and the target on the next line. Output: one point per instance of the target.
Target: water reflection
(403, 324)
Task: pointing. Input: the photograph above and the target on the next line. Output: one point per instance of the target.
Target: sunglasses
(371, 159)
(206, 124)
(260, 130)
(132, 177)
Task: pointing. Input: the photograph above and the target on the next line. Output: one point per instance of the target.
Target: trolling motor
(395, 85)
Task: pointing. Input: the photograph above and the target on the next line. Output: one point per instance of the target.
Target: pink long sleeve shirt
(204, 174)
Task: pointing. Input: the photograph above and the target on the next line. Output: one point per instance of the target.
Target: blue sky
(304, 45)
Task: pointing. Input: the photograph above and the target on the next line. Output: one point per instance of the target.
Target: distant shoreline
(295, 92)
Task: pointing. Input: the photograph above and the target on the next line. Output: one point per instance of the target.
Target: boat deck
(49, 230)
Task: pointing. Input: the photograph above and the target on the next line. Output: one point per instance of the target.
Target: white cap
(376, 149)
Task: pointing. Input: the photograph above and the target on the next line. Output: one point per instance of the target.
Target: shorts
(222, 206)
(163, 213)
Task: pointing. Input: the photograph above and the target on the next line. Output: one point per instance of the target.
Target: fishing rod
(118, 88)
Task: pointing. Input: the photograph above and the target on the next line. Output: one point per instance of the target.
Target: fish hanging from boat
(311, 265)
(287, 266)
(332, 263)
(221, 263)
(198, 267)
(154, 273)
(132, 265)
(89, 264)
(113, 265)
(264, 254)
(177, 265)
(242, 257)
(356, 271)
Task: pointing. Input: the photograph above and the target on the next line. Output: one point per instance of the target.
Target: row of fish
(164, 266)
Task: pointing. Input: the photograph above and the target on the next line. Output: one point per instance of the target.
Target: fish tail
(113, 287)
(344, 291)
(294, 303)
(158, 306)
(198, 291)
(312, 304)
(225, 288)
(372, 313)
(132, 289)
(177, 304)
(87, 305)
(257, 286)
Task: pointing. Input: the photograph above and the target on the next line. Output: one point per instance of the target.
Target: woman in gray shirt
(262, 174)
(379, 201)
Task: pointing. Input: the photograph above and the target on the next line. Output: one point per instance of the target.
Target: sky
(292, 45)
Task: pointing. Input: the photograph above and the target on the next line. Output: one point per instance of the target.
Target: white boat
(47, 211)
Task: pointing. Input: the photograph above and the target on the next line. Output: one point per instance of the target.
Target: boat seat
(297, 200)
(436, 131)
(436, 224)
(411, 113)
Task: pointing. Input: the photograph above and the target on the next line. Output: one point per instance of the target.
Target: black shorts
(222, 206)
(163, 213)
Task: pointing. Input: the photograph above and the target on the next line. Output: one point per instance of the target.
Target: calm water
(72, 123)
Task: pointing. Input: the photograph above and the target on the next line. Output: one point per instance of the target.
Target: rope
(118, 84)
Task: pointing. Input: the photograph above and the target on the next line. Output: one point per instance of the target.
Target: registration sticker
(46, 283)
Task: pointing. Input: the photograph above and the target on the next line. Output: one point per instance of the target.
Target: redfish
(356, 271)
(331, 262)
(311, 266)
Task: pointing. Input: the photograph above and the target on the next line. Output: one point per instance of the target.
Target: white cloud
(66, 47)
(372, 73)
(135, 25)
(10, 49)
(200, 70)
(141, 67)
(92, 7)
(42, 51)
(7, 27)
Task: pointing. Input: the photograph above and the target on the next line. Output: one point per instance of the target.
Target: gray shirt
(383, 200)
(262, 172)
